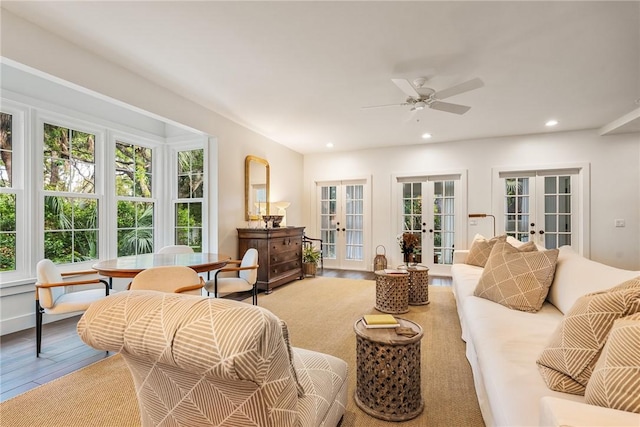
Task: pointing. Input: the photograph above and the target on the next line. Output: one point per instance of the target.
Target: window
(7, 196)
(430, 207)
(188, 206)
(546, 206)
(70, 204)
(135, 224)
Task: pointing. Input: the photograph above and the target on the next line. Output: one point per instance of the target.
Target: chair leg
(39, 312)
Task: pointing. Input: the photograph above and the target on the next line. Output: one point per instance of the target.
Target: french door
(342, 217)
(431, 210)
(543, 207)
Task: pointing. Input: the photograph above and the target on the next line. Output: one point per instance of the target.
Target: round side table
(392, 292)
(388, 372)
(418, 284)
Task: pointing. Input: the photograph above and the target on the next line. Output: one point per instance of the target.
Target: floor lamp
(481, 215)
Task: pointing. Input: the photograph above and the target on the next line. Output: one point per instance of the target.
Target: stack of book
(373, 321)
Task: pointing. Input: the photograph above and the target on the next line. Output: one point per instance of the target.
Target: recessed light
(551, 123)
(426, 135)
(329, 144)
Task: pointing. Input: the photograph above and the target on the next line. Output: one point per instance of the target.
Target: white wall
(615, 181)
(29, 47)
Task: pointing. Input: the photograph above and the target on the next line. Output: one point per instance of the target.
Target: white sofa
(503, 345)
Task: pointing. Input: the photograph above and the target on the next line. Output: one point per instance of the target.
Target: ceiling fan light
(551, 123)
(426, 135)
(420, 105)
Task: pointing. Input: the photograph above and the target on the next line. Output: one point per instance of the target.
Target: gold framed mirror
(256, 187)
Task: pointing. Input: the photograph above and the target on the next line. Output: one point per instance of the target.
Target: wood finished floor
(63, 352)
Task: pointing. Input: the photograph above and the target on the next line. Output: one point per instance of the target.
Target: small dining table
(129, 266)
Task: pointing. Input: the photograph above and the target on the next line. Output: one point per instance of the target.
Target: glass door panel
(342, 224)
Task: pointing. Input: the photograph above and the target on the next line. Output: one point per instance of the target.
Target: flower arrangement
(408, 242)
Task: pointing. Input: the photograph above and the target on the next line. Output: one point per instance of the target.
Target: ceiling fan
(421, 97)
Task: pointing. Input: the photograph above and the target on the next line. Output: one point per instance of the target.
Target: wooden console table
(279, 253)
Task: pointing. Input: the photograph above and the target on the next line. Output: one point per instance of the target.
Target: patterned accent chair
(198, 361)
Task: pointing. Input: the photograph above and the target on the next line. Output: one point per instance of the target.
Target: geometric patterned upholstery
(205, 361)
(615, 382)
(480, 250)
(567, 363)
(518, 278)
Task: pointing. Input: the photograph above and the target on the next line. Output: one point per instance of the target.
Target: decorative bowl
(274, 219)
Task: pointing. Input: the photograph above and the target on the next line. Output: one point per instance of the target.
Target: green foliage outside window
(7, 200)
(7, 232)
(71, 232)
(133, 168)
(188, 214)
(70, 222)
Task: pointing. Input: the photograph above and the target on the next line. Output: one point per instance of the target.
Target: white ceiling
(299, 72)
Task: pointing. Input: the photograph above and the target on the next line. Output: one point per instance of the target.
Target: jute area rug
(320, 313)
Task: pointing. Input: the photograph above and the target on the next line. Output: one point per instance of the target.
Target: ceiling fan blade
(460, 88)
(449, 108)
(406, 87)
(382, 106)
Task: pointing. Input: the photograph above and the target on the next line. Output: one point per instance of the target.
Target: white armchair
(175, 249)
(56, 296)
(246, 280)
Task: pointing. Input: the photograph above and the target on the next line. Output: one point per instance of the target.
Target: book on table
(394, 271)
(372, 321)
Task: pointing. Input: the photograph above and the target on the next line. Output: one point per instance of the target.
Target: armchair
(169, 278)
(175, 249)
(56, 296)
(247, 269)
(209, 361)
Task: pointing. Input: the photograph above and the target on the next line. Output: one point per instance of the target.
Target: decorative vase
(408, 258)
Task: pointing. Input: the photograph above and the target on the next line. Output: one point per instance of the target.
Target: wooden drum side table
(418, 285)
(392, 292)
(388, 372)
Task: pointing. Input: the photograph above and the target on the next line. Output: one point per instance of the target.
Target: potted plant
(310, 257)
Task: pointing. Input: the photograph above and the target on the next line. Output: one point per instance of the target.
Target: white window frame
(20, 150)
(42, 117)
(583, 172)
(174, 146)
(460, 239)
(157, 159)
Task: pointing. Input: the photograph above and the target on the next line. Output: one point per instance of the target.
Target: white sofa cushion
(568, 360)
(577, 276)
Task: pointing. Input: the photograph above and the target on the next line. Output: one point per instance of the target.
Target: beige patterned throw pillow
(480, 250)
(518, 278)
(570, 357)
(615, 382)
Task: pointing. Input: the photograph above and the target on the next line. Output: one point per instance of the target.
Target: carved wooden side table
(418, 285)
(392, 292)
(388, 372)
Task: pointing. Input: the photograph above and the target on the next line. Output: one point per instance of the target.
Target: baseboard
(28, 321)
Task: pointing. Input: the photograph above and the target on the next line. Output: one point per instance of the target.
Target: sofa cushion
(515, 278)
(568, 360)
(577, 276)
(480, 250)
(615, 382)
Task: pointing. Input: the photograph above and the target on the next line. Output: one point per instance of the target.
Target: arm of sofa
(460, 256)
(555, 412)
